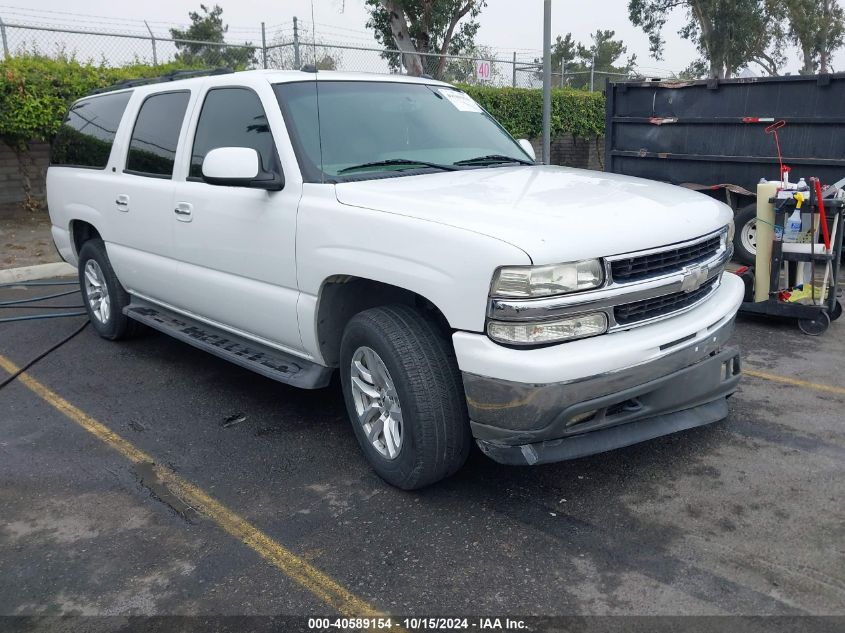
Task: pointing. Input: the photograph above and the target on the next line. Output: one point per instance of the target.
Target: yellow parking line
(297, 569)
(793, 381)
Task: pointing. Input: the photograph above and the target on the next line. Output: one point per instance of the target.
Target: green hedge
(35, 92)
(520, 110)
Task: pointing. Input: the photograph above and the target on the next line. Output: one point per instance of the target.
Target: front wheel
(404, 395)
(102, 293)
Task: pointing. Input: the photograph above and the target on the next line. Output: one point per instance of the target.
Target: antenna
(314, 36)
(317, 92)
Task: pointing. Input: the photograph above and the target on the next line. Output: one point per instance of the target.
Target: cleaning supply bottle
(792, 227)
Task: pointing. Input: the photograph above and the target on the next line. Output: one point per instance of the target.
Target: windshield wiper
(398, 161)
(493, 159)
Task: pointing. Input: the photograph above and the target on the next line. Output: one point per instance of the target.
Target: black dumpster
(711, 132)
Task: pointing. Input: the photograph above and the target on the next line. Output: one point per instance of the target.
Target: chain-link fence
(285, 47)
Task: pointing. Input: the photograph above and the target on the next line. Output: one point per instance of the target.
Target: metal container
(709, 134)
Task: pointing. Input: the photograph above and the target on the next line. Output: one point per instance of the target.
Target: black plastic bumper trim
(606, 439)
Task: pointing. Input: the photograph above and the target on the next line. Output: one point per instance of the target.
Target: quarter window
(232, 117)
(152, 149)
(87, 134)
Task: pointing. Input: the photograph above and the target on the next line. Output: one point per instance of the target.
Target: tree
(729, 34)
(206, 31)
(606, 51)
(579, 59)
(696, 69)
(768, 38)
(564, 51)
(817, 28)
(420, 28)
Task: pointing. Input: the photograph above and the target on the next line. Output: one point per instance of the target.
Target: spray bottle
(793, 223)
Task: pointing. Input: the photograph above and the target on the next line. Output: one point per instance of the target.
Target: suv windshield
(369, 129)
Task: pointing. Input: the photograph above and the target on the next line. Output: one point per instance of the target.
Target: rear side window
(152, 149)
(232, 117)
(86, 136)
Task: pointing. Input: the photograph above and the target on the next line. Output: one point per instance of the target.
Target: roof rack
(171, 76)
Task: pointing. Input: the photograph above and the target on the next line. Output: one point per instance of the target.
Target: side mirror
(527, 147)
(238, 167)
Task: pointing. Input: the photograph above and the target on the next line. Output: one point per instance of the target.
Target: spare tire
(745, 236)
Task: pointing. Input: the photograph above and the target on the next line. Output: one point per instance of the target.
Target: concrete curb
(41, 271)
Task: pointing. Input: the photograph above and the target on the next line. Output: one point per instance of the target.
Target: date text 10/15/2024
(416, 624)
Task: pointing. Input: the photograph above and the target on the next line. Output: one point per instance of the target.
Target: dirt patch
(25, 240)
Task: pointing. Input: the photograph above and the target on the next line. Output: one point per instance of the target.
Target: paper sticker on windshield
(461, 100)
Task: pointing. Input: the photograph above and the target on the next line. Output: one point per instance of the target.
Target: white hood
(552, 213)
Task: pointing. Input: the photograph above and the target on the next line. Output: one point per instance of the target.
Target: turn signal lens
(541, 332)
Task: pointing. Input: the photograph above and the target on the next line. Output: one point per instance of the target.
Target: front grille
(661, 306)
(665, 262)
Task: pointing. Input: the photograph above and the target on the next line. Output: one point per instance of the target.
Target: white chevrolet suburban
(387, 227)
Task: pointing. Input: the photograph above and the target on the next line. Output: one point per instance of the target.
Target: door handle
(122, 202)
(183, 211)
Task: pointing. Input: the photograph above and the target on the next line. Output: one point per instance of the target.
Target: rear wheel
(745, 238)
(404, 395)
(102, 293)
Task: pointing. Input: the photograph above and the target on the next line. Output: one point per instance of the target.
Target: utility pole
(264, 45)
(547, 81)
(592, 73)
(152, 39)
(297, 63)
(513, 83)
(562, 71)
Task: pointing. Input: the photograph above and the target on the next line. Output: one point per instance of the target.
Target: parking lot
(147, 477)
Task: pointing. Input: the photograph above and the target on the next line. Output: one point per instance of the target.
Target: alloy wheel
(96, 291)
(376, 402)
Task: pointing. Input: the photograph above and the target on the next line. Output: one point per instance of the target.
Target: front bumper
(685, 385)
(690, 397)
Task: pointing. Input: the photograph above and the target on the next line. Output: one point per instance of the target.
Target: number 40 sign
(482, 70)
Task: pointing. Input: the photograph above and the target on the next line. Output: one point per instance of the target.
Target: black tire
(837, 311)
(742, 253)
(117, 326)
(748, 282)
(435, 429)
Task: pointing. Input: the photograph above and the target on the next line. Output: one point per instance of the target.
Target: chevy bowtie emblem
(693, 278)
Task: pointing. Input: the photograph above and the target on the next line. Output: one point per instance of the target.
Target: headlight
(548, 331)
(527, 282)
(731, 231)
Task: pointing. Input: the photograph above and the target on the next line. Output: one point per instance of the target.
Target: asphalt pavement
(743, 517)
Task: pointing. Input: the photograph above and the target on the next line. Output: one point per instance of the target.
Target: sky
(506, 25)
